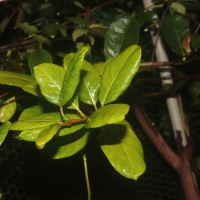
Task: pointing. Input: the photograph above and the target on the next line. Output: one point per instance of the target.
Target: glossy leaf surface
(118, 74)
(123, 149)
(89, 87)
(120, 35)
(4, 129)
(46, 135)
(108, 114)
(32, 134)
(39, 121)
(31, 112)
(178, 26)
(50, 78)
(72, 76)
(38, 57)
(8, 110)
(15, 79)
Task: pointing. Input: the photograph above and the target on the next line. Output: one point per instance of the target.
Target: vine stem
(87, 177)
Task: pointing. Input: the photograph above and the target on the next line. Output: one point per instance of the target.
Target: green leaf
(15, 79)
(123, 149)
(118, 74)
(66, 146)
(32, 134)
(72, 76)
(98, 29)
(89, 87)
(178, 26)
(77, 33)
(38, 121)
(120, 35)
(108, 114)
(31, 112)
(8, 110)
(32, 88)
(179, 8)
(50, 78)
(4, 129)
(30, 29)
(46, 135)
(42, 39)
(195, 41)
(71, 129)
(38, 57)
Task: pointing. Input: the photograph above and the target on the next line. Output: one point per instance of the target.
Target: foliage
(78, 93)
(69, 130)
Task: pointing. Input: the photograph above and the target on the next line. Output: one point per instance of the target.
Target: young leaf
(72, 76)
(120, 35)
(118, 74)
(50, 78)
(8, 110)
(123, 149)
(46, 135)
(108, 114)
(38, 57)
(32, 134)
(38, 121)
(178, 26)
(4, 129)
(89, 86)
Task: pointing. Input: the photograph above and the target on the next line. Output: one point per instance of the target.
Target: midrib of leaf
(121, 143)
(57, 86)
(94, 103)
(112, 84)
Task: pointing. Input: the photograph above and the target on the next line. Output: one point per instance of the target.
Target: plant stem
(87, 177)
(62, 114)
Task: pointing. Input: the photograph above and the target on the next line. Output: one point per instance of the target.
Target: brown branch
(170, 156)
(73, 121)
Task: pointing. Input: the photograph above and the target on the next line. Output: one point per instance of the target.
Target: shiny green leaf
(50, 78)
(31, 112)
(32, 88)
(4, 129)
(118, 74)
(15, 79)
(89, 87)
(108, 114)
(31, 135)
(38, 121)
(46, 135)
(178, 26)
(123, 149)
(72, 76)
(38, 57)
(8, 110)
(120, 35)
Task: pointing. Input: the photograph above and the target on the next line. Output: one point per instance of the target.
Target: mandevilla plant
(65, 127)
